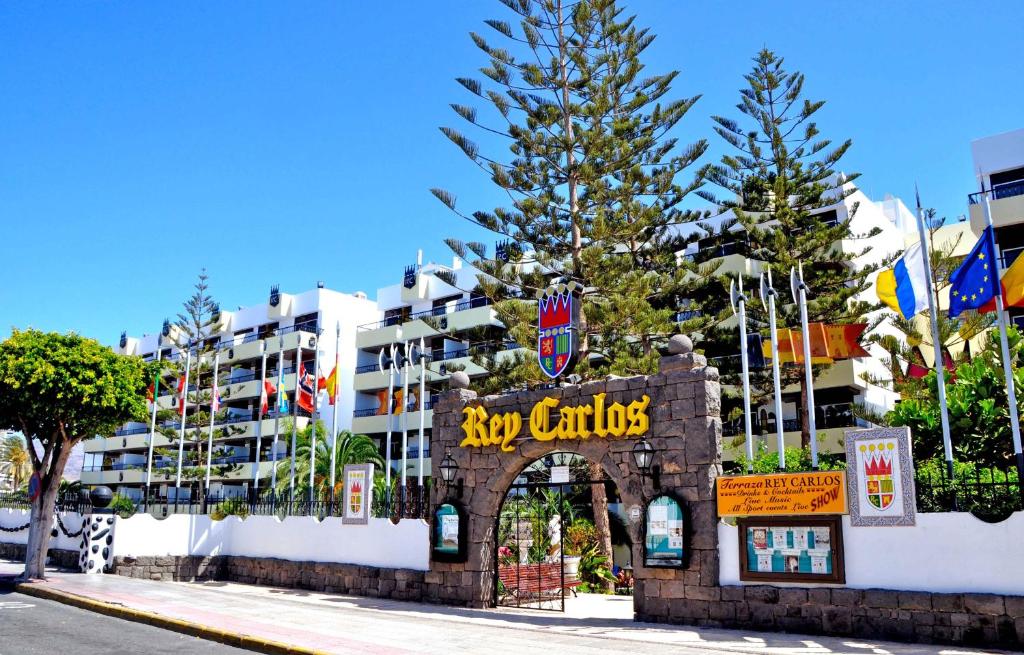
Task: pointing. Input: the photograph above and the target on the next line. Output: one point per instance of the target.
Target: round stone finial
(680, 344)
(459, 380)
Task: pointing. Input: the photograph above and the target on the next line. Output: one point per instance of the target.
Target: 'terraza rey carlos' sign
(817, 492)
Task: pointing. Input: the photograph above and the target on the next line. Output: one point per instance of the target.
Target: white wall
(944, 552)
(13, 518)
(297, 538)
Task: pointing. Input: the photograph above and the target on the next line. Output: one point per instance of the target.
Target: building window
(307, 322)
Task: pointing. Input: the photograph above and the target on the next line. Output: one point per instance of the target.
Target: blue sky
(140, 142)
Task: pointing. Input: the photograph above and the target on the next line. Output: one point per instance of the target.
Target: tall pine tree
(592, 176)
(779, 179)
(198, 321)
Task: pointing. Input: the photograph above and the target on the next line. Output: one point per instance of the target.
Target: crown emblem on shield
(557, 323)
(879, 485)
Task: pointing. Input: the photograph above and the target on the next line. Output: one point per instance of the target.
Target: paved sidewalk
(346, 624)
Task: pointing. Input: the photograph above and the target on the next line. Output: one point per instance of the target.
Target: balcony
(1006, 205)
(370, 422)
(450, 318)
(368, 377)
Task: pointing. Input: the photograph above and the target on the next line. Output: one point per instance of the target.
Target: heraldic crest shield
(879, 485)
(558, 322)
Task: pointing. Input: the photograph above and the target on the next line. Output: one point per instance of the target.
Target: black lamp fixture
(643, 456)
(449, 469)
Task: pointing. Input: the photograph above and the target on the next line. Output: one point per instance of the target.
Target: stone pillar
(97, 548)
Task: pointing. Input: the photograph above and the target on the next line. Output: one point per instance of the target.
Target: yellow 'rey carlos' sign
(815, 492)
(582, 422)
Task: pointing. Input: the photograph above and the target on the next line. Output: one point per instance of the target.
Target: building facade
(455, 322)
(283, 330)
(999, 162)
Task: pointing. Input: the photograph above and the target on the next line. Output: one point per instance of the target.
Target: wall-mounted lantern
(643, 456)
(449, 469)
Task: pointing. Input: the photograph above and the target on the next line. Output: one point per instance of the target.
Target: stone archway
(685, 431)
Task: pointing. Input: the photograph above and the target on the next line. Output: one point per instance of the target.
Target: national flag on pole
(975, 283)
(215, 402)
(1012, 286)
(268, 388)
(151, 392)
(181, 395)
(331, 384)
(305, 399)
(904, 286)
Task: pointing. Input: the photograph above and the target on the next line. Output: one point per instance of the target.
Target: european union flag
(975, 283)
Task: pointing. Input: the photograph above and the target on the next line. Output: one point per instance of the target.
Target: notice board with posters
(791, 549)
(782, 494)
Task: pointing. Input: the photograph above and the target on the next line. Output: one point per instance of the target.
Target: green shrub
(123, 506)
(230, 507)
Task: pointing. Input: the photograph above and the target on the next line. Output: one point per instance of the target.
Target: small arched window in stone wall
(666, 533)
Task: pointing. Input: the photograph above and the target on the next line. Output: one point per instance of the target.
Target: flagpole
(334, 413)
(423, 420)
(259, 419)
(405, 424)
(769, 292)
(740, 308)
(387, 437)
(1011, 388)
(295, 423)
(799, 288)
(313, 414)
(184, 415)
(277, 416)
(940, 376)
(213, 412)
(152, 420)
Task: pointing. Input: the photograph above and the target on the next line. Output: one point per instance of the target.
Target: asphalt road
(34, 626)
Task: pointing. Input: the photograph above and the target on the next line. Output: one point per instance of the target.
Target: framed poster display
(666, 533)
(880, 477)
(449, 533)
(791, 549)
(357, 498)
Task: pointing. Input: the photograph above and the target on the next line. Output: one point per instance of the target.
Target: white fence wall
(297, 538)
(13, 518)
(944, 552)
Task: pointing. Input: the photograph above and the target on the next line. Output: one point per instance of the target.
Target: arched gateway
(485, 443)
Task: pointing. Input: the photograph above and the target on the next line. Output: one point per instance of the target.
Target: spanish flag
(1013, 286)
(331, 384)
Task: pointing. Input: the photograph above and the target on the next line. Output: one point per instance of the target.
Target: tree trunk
(599, 499)
(805, 421)
(41, 521)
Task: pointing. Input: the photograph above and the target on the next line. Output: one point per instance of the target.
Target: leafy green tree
(593, 179)
(778, 178)
(978, 409)
(15, 462)
(58, 389)
(349, 449)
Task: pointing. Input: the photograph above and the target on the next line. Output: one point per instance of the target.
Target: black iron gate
(531, 568)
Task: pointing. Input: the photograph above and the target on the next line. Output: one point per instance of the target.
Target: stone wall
(374, 582)
(685, 431)
(62, 559)
(971, 619)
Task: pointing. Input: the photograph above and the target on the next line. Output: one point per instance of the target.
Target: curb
(175, 625)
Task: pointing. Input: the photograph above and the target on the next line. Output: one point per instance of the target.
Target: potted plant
(578, 537)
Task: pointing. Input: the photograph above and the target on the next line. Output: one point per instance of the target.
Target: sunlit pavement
(348, 624)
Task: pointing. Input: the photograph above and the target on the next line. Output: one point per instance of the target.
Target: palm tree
(349, 449)
(14, 460)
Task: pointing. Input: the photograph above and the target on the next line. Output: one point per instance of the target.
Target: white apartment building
(845, 382)
(455, 323)
(283, 329)
(999, 165)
